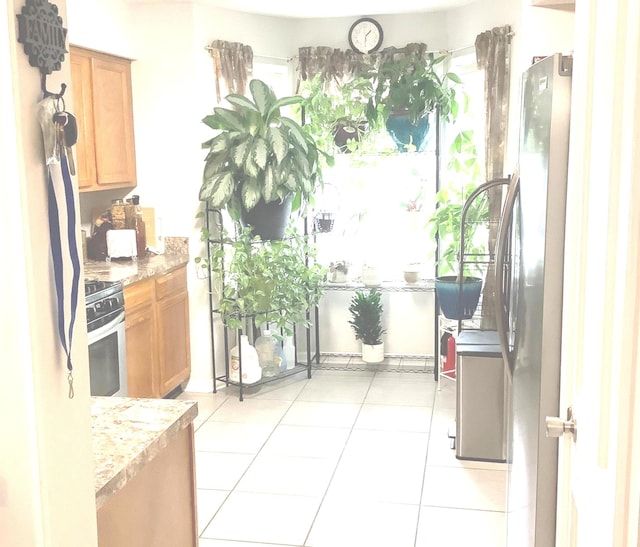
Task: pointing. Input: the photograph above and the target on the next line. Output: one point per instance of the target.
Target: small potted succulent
(338, 271)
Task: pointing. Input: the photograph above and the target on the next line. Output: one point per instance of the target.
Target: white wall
(46, 461)
(173, 89)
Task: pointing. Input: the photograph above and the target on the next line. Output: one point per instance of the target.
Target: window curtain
(336, 66)
(233, 65)
(493, 56)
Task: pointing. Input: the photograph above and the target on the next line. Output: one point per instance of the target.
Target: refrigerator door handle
(504, 228)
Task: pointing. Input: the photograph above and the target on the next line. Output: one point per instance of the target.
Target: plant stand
(465, 319)
(221, 372)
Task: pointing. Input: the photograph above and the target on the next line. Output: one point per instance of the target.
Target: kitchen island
(145, 471)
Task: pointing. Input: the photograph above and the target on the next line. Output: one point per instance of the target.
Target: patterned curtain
(233, 65)
(493, 56)
(337, 67)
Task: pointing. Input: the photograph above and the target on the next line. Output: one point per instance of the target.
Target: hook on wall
(47, 93)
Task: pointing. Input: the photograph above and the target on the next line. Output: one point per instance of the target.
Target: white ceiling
(331, 8)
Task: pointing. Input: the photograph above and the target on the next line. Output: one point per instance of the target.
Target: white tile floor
(345, 459)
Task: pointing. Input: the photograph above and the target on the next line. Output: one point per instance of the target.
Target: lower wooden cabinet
(157, 334)
(157, 507)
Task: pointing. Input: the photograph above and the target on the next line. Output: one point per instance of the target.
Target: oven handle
(102, 331)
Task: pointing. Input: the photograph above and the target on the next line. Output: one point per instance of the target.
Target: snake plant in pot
(366, 321)
(262, 164)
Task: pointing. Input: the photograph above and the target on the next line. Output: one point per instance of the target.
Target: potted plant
(336, 114)
(273, 283)
(459, 291)
(261, 164)
(408, 89)
(366, 321)
(338, 271)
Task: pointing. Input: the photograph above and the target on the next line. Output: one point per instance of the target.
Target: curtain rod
(287, 59)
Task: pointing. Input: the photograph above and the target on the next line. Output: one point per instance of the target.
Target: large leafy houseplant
(458, 212)
(271, 282)
(445, 224)
(336, 114)
(408, 89)
(258, 154)
(412, 85)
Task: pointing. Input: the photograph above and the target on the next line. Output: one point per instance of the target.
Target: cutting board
(149, 217)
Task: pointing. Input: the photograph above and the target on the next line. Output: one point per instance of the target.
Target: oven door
(107, 359)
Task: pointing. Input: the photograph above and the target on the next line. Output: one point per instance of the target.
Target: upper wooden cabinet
(103, 107)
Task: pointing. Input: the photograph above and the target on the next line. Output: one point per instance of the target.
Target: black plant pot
(268, 220)
(346, 132)
(454, 303)
(323, 222)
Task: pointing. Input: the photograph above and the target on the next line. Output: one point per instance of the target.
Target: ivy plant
(273, 282)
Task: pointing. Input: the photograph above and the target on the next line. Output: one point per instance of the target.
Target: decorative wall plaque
(40, 30)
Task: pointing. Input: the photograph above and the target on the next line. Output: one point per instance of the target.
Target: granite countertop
(129, 271)
(128, 433)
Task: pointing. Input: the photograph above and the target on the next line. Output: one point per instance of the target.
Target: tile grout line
(306, 539)
(424, 472)
(248, 466)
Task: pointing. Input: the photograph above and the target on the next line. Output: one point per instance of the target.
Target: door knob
(557, 427)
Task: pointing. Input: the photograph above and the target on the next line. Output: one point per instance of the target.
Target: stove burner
(92, 286)
(103, 300)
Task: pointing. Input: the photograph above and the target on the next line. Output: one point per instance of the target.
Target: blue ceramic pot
(403, 132)
(456, 304)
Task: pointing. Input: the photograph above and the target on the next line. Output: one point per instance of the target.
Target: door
(599, 472)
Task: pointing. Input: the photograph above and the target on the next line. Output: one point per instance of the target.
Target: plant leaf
(240, 152)
(262, 95)
(278, 142)
(241, 101)
(260, 152)
(218, 143)
(228, 119)
(250, 193)
(295, 131)
(269, 184)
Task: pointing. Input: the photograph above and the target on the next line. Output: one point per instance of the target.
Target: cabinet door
(113, 121)
(174, 358)
(85, 155)
(141, 354)
(140, 334)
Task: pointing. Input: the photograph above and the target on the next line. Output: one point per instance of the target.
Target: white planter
(370, 276)
(373, 354)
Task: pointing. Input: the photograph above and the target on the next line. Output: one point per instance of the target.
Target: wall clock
(365, 35)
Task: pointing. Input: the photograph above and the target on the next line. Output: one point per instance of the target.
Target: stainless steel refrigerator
(530, 272)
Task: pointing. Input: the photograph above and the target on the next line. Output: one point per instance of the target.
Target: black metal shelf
(213, 219)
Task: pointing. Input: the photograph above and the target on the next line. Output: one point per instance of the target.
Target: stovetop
(104, 300)
(95, 289)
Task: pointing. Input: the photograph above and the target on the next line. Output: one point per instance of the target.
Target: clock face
(365, 35)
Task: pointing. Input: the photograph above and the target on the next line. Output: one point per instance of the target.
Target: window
(383, 202)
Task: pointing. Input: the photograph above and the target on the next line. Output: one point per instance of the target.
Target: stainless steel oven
(104, 302)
